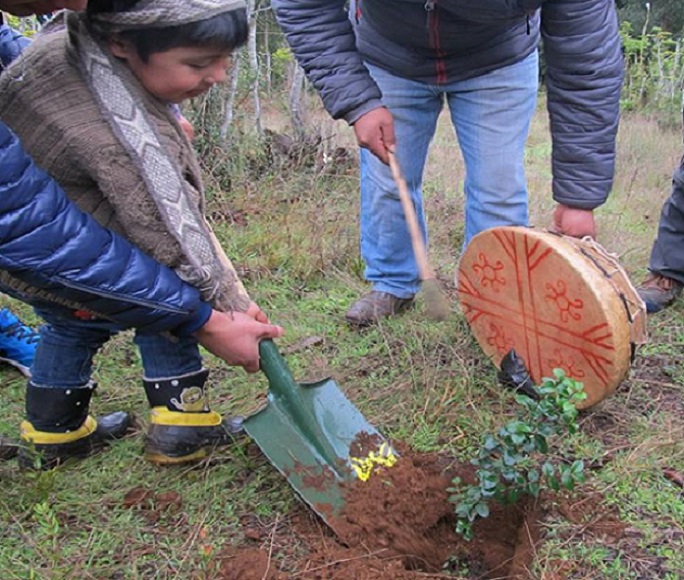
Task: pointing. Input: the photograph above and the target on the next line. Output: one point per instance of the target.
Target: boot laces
(21, 332)
(661, 282)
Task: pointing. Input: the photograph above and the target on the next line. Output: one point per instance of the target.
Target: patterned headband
(165, 13)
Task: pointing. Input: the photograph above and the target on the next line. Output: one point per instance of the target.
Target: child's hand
(257, 313)
(187, 127)
(235, 337)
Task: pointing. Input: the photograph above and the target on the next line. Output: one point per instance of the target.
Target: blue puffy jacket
(46, 241)
(12, 43)
(438, 41)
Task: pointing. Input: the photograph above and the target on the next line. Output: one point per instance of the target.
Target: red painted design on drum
(569, 364)
(489, 274)
(566, 307)
(498, 339)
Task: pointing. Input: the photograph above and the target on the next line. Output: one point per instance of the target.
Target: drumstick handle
(419, 250)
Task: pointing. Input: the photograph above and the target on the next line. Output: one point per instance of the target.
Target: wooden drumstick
(435, 300)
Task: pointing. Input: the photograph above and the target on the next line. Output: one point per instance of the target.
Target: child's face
(176, 74)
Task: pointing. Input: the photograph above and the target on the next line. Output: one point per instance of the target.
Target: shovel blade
(313, 435)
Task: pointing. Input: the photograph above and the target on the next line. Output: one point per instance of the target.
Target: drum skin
(539, 293)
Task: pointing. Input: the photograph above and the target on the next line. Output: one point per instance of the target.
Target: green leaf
(482, 509)
(518, 439)
(542, 445)
(554, 484)
(465, 529)
(489, 481)
(511, 459)
(463, 510)
(577, 467)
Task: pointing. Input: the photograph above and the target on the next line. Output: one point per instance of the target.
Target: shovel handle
(275, 368)
(285, 394)
(419, 250)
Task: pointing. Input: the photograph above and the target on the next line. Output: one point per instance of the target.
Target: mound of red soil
(400, 525)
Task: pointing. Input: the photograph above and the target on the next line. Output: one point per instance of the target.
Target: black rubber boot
(182, 427)
(9, 448)
(58, 427)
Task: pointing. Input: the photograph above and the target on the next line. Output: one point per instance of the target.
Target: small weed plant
(514, 462)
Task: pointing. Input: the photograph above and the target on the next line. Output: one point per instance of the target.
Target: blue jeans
(67, 346)
(491, 115)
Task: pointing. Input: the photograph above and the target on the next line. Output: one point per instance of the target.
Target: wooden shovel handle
(419, 250)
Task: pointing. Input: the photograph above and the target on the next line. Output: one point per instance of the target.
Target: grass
(294, 238)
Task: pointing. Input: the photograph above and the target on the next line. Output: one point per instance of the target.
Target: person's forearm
(322, 39)
(583, 79)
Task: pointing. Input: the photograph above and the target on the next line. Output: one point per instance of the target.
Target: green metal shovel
(314, 436)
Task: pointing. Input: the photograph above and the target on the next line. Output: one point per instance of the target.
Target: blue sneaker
(18, 342)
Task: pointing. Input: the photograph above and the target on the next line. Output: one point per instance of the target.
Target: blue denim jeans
(491, 115)
(67, 346)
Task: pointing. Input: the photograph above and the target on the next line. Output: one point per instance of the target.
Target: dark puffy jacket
(439, 41)
(47, 241)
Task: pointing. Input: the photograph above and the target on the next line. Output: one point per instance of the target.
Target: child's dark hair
(225, 31)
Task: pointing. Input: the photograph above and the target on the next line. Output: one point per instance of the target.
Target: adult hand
(375, 132)
(28, 7)
(572, 221)
(235, 336)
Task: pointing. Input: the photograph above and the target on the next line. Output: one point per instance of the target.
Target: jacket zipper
(433, 35)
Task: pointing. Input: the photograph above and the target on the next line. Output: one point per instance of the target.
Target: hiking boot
(58, 426)
(18, 342)
(658, 292)
(374, 306)
(182, 427)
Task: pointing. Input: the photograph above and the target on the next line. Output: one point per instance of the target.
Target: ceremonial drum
(558, 301)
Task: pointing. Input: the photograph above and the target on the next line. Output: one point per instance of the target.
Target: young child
(92, 105)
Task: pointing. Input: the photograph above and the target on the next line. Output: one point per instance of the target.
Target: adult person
(47, 243)
(387, 70)
(666, 264)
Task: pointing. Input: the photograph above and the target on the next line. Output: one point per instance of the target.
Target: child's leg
(182, 426)
(58, 395)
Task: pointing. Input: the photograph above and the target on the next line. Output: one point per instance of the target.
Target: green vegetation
(292, 231)
(514, 462)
